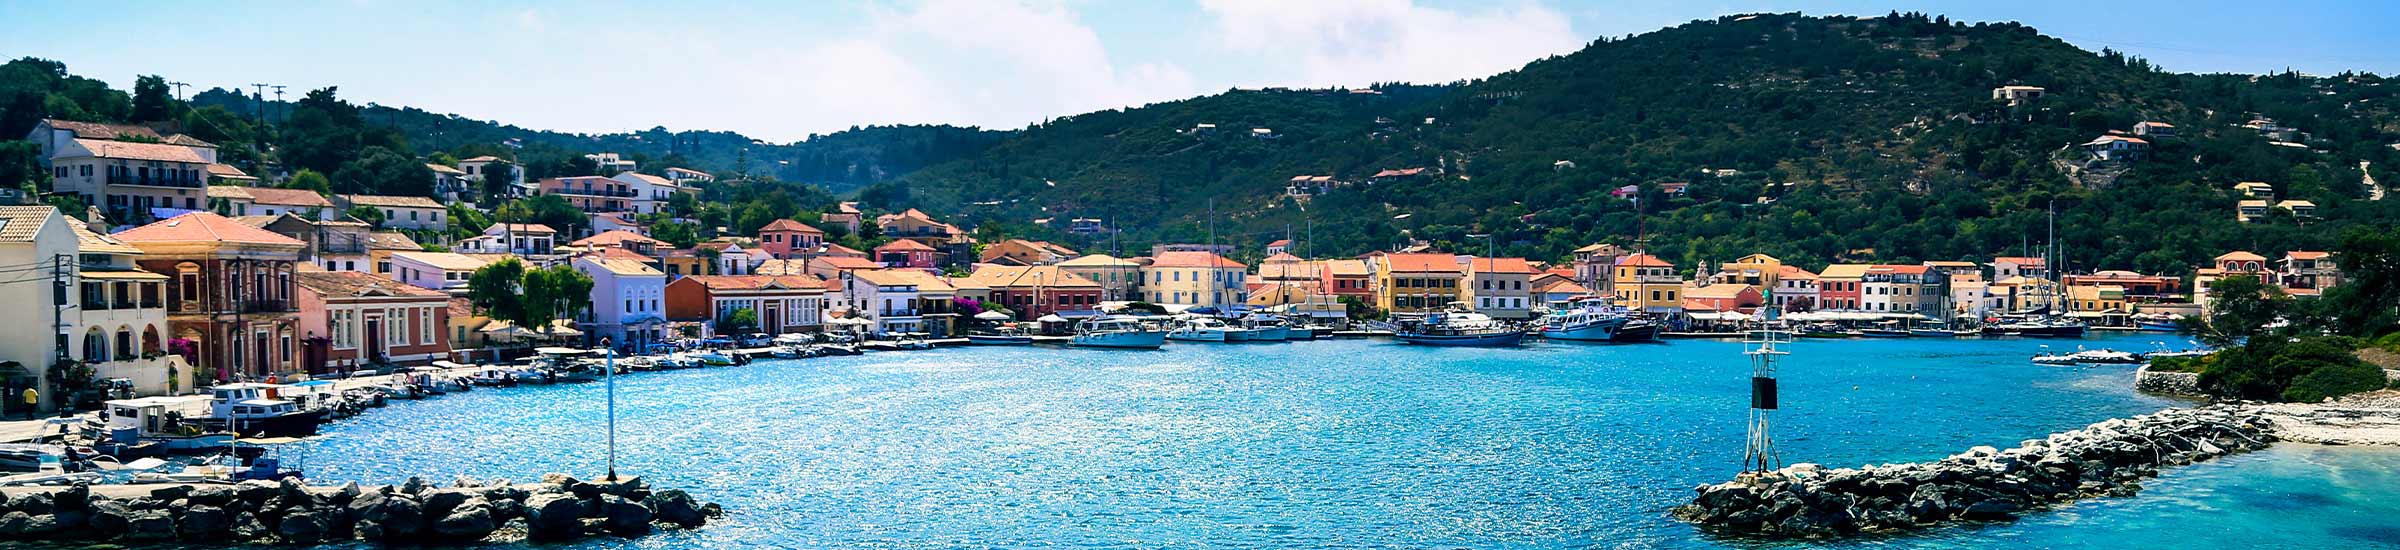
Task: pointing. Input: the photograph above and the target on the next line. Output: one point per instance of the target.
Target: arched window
(150, 342)
(95, 346)
(124, 343)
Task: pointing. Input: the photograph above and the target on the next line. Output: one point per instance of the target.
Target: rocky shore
(2371, 418)
(413, 513)
(2107, 458)
(2167, 383)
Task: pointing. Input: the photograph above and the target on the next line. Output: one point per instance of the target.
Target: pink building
(906, 253)
(789, 239)
(592, 193)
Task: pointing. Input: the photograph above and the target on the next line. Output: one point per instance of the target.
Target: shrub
(2332, 380)
(2181, 364)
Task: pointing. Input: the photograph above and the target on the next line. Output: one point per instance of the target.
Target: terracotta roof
(1280, 257)
(835, 249)
(1098, 260)
(1599, 247)
(847, 262)
(223, 170)
(2307, 255)
(1346, 268)
(1843, 271)
(102, 130)
(392, 201)
(1195, 258)
(202, 227)
(1563, 286)
(2019, 260)
(1293, 269)
(526, 228)
(1794, 272)
(1403, 172)
(353, 283)
(448, 261)
(925, 282)
(756, 282)
(270, 195)
(903, 245)
(615, 253)
(21, 223)
(1049, 276)
(616, 237)
(1643, 260)
(1500, 265)
(2241, 256)
(1421, 262)
(444, 168)
(646, 178)
(485, 158)
(461, 308)
(1904, 269)
(1280, 242)
(789, 225)
(141, 151)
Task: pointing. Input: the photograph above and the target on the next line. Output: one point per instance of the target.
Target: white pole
(612, 407)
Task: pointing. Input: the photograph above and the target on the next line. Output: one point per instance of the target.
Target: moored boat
(1117, 332)
(1199, 329)
(1586, 320)
(259, 410)
(1458, 329)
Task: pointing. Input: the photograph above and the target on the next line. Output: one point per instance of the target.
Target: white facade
(103, 311)
(628, 301)
(443, 271)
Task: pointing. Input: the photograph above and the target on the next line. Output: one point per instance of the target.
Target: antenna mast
(1764, 346)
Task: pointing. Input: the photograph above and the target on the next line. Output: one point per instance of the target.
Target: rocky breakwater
(2109, 458)
(413, 513)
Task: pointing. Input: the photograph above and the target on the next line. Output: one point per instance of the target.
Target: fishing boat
(1458, 329)
(2158, 322)
(1585, 320)
(26, 457)
(259, 409)
(1200, 329)
(147, 423)
(1638, 330)
(712, 358)
(1266, 328)
(491, 376)
(1117, 332)
(1824, 330)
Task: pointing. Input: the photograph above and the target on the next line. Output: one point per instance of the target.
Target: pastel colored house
(628, 302)
(1416, 282)
(229, 290)
(907, 254)
(789, 239)
(781, 304)
(1195, 278)
(355, 320)
(1647, 283)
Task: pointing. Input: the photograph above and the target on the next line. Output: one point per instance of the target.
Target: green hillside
(1874, 138)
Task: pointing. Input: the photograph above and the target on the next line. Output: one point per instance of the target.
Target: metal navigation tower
(1764, 345)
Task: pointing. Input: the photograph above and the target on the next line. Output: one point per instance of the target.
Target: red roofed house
(1035, 291)
(229, 291)
(352, 320)
(1279, 246)
(621, 239)
(1195, 278)
(906, 253)
(789, 239)
(1416, 282)
(1645, 282)
(780, 304)
(1024, 252)
(269, 201)
(2116, 147)
(1723, 297)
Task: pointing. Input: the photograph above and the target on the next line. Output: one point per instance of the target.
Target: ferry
(1202, 329)
(1117, 332)
(1458, 329)
(1589, 320)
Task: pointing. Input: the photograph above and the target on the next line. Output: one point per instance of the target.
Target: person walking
(33, 400)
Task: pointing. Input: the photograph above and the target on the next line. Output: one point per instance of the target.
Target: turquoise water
(1350, 443)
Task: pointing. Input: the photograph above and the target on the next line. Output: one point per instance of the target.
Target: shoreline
(2362, 419)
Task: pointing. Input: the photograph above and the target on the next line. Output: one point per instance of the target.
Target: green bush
(2389, 342)
(2334, 380)
(2181, 364)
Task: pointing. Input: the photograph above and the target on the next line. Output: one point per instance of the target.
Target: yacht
(1201, 329)
(1004, 336)
(146, 421)
(1586, 320)
(1117, 332)
(1458, 329)
(2106, 356)
(1266, 328)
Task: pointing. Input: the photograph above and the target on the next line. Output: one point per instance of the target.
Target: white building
(134, 182)
(523, 239)
(628, 301)
(650, 193)
(103, 311)
(444, 271)
(893, 298)
(611, 162)
(400, 212)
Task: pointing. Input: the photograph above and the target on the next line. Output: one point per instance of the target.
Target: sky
(782, 71)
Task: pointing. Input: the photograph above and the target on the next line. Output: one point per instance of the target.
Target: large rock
(72, 498)
(247, 527)
(676, 507)
(36, 504)
(626, 518)
(210, 495)
(552, 517)
(171, 492)
(150, 525)
(202, 523)
(303, 527)
(254, 492)
(439, 502)
(108, 518)
(468, 522)
(15, 526)
(398, 518)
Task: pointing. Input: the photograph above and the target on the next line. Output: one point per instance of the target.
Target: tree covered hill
(1870, 138)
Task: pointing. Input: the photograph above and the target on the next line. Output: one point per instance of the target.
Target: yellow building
(1758, 270)
(1416, 283)
(1194, 278)
(1646, 283)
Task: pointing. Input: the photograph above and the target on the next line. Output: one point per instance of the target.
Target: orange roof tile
(1501, 265)
(1195, 258)
(1422, 263)
(202, 227)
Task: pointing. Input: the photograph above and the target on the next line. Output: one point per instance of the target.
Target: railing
(899, 313)
(152, 181)
(598, 192)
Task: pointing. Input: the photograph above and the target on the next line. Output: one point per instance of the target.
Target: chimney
(94, 221)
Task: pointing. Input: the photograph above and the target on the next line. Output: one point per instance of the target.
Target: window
(95, 345)
(425, 330)
(125, 344)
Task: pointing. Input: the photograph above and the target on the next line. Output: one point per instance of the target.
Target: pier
(558, 508)
(2108, 458)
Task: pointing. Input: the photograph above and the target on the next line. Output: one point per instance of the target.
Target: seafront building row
(183, 272)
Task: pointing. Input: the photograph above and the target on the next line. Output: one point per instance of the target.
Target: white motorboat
(1586, 320)
(712, 358)
(1117, 332)
(260, 410)
(1201, 329)
(145, 420)
(2106, 356)
(1265, 328)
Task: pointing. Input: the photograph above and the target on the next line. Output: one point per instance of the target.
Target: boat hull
(1590, 332)
(1637, 332)
(1491, 340)
(297, 424)
(1197, 336)
(1122, 340)
(981, 340)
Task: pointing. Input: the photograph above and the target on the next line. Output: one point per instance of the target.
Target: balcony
(266, 306)
(152, 181)
(598, 193)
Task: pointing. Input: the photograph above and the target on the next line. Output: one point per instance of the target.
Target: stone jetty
(2105, 459)
(414, 513)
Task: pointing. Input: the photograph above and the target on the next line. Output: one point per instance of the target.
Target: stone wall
(2108, 458)
(414, 513)
(2170, 383)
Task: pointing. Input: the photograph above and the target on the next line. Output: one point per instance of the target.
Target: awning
(122, 275)
(992, 316)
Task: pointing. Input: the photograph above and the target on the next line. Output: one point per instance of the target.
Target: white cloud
(1357, 42)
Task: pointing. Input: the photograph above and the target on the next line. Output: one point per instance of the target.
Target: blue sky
(782, 71)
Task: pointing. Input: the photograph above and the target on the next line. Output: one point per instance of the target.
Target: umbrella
(1052, 318)
(991, 316)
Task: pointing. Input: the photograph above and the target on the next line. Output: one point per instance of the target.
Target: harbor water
(1324, 444)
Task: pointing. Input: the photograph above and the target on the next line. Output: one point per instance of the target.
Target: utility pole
(259, 93)
(278, 98)
(178, 89)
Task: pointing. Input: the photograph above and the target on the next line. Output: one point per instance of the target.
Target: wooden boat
(1457, 329)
